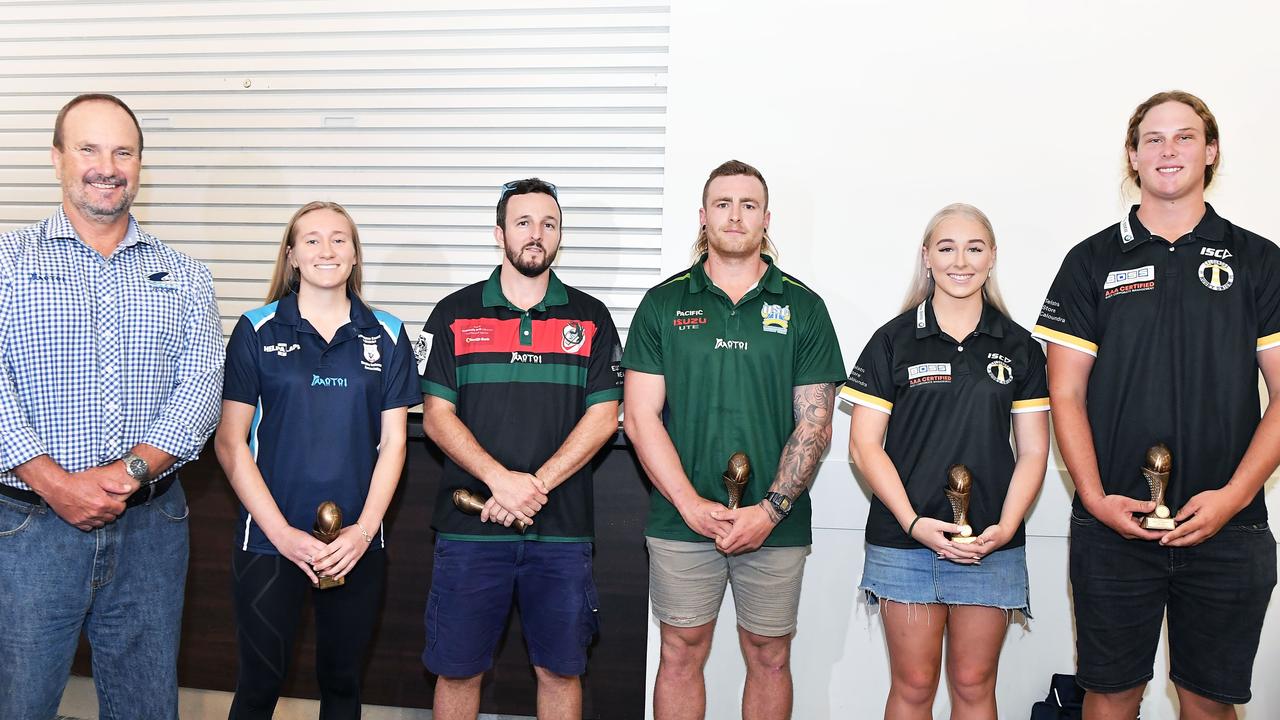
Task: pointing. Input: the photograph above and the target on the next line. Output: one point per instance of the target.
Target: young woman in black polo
(314, 409)
(939, 386)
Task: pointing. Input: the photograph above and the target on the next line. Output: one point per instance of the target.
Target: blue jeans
(122, 583)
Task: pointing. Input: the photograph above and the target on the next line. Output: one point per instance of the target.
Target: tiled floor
(80, 702)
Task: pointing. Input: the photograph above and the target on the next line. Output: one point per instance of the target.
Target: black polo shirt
(520, 380)
(1176, 329)
(949, 401)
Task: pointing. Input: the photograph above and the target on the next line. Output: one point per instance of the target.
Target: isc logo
(1220, 253)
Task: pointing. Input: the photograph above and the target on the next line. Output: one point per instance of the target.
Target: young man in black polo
(1157, 327)
(521, 387)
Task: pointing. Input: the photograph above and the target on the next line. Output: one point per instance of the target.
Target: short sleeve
(1031, 393)
(644, 339)
(439, 371)
(241, 381)
(870, 382)
(399, 386)
(604, 367)
(1267, 297)
(817, 358)
(1070, 311)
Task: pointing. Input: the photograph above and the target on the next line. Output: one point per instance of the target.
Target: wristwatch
(781, 504)
(137, 468)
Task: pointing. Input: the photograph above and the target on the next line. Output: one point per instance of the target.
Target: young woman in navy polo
(940, 385)
(314, 409)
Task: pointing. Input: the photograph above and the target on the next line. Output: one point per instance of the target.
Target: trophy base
(329, 582)
(1151, 522)
(963, 540)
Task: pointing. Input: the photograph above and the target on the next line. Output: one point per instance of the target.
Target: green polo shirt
(729, 371)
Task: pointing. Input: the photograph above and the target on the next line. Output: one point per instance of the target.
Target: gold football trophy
(736, 474)
(328, 526)
(471, 504)
(959, 484)
(1156, 470)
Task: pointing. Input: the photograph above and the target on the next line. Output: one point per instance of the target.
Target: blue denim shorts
(472, 588)
(919, 576)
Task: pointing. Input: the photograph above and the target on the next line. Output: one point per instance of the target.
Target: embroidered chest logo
(689, 319)
(775, 318)
(1123, 282)
(1000, 368)
(371, 357)
(722, 344)
(281, 349)
(928, 374)
(572, 337)
(1216, 275)
(163, 279)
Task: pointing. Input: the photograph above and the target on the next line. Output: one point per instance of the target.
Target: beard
(82, 199)
(530, 268)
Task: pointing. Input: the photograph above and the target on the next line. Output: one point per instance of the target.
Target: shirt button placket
(109, 354)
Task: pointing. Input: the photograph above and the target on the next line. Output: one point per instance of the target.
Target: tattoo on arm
(813, 406)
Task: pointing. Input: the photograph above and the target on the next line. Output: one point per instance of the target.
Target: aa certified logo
(775, 318)
(1216, 275)
(1000, 372)
(572, 337)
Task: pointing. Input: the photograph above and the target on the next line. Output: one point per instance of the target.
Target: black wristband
(912, 526)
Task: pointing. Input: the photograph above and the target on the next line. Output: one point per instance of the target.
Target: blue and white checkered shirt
(100, 354)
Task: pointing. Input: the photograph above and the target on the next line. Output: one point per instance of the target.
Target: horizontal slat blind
(411, 114)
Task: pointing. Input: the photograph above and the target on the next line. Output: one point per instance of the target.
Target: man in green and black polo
(738, 357)
(521, 386)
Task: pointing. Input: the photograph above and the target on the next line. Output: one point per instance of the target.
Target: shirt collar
(60, 227)
(361, 316)
(771, 281)
(1211, 228)
(493, 296)
(927, 323)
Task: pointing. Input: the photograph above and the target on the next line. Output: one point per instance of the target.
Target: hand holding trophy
(326, 529)
(1156, 469)
(736, 475)
(959, 485)
(472, 504)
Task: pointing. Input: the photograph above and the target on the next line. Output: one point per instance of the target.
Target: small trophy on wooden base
(326, 530)
(1156, 469)
(959, 485)
(736, 475)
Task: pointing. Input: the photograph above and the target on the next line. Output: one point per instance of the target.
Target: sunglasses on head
(510, 187)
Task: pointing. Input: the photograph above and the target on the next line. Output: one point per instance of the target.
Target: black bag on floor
(1065, 700)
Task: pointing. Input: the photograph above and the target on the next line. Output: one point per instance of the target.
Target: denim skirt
(919, 576)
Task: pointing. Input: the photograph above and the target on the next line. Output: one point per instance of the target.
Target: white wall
(866, 117)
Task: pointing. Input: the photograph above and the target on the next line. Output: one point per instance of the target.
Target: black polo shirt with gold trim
(520, 380)
(949, 401)
(730, 371)
(1176, 328)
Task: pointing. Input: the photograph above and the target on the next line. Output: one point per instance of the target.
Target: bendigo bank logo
(928, 374)
(689, 319)
(1123, 282)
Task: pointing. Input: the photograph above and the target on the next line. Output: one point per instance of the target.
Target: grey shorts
(687, 580)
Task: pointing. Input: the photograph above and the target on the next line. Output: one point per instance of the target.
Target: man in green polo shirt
(744, 359)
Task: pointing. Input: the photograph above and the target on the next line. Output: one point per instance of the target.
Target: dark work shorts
(473, 585)
(1216, 594)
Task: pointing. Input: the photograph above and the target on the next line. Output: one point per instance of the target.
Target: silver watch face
(136, 467)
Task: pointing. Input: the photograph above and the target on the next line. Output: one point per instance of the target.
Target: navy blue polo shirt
(319, 406)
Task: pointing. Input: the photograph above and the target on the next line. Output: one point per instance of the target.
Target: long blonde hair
(922, 281)
(284, 279)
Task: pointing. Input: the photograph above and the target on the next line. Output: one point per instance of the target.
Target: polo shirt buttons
(959, 348)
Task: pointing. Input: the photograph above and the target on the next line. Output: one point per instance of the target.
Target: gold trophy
(471, 504)
(736, 474)
(959, 483)
(1156, 470)
(328, 526)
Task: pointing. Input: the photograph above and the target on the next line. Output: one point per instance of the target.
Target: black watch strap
(781, 504)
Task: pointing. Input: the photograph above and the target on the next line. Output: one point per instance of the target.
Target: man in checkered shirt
(111, 360)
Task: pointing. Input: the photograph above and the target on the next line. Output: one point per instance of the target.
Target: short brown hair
(1160, 98)
(727, 169)
(92, 97)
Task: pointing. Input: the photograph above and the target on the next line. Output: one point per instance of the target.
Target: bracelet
(364, 534)
(912, 526)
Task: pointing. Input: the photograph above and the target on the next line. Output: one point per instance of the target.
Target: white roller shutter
(411, 114)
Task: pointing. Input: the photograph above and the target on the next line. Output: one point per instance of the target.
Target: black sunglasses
(510, 187)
